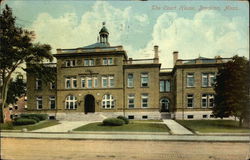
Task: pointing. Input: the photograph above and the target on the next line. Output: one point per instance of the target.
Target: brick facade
(101, 79)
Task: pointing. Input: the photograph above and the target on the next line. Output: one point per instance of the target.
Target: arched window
(164, 105)
(71, 102)
(108, 101)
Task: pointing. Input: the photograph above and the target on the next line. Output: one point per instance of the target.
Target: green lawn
(39, 125)
(213, 126)
(131, 127)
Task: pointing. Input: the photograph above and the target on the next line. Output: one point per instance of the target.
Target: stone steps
(166, 115)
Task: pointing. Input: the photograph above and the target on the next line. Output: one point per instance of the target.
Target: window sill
(130, 87)
(144, 87)
(190, 87)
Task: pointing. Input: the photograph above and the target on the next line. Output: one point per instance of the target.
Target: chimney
(175, 57)
(156, 57)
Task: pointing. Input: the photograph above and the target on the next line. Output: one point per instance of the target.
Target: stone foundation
(196, 115)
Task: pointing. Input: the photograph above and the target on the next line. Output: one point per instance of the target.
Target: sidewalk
(176, 128)
(128, 136)
(65, 126)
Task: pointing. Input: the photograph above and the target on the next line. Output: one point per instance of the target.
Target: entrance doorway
(89, 104)
(164, 105)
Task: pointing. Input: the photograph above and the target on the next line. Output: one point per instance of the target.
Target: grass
(131, 127)
(42, 124)
(214, 126)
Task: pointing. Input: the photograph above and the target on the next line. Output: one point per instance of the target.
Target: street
(53, 149)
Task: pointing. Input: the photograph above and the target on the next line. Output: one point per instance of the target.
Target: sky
(193, 28)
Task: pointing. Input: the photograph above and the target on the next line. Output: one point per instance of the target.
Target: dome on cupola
(104, 34)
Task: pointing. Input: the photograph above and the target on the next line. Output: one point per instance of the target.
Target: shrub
(24, 121)
(113, 122)
(125, 119)
(41, 117)
(35, 118)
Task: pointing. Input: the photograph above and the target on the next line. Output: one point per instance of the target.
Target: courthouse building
(99, 81)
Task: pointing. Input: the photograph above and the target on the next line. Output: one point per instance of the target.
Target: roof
(202, 59)
(104, 29)
(98, 45)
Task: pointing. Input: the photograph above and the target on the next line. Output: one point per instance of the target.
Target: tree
(17, 88)
(16, 49)
(231, 89)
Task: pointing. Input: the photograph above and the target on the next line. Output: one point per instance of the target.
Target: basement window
(190, 116)
(131, 117)
(145, 117)
(204, 116)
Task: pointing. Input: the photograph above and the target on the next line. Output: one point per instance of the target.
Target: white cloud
(67, 31)
(208, 34)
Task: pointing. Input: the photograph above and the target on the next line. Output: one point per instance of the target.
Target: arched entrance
(89, 104)
(164, 105)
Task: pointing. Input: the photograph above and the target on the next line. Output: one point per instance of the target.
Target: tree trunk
(240, 122)
(4, 97)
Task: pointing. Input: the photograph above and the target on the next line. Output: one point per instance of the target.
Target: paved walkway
(131, 136)
(65, 126)
(176, 128)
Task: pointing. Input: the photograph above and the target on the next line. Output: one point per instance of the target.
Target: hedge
(41, 117)
(113, 122)
(35, 118)
(24, 121)
(124, 119)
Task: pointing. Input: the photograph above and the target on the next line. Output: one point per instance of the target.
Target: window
(190, 116)
(74, 82)
(190, 100)
(83, 82)
(131, 117)
(207, 100)
(88, 62)
(105, 61)
(130, 80)
(89, 80)
(110, 61)
(39, 102)
(52, 102)
(208, 79)
(38, 84)
(165, 86)
(144, 80)
(164, 105)
(70, 102)
(70, 63)
(144, 100)
(204, 116)
(131, 101)
(104, 82)
(145, 117)
(111, 81)
(95, 82)
(52, 85)
(108, 101)
(67, 83)
(190, 80)
(70, 82)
